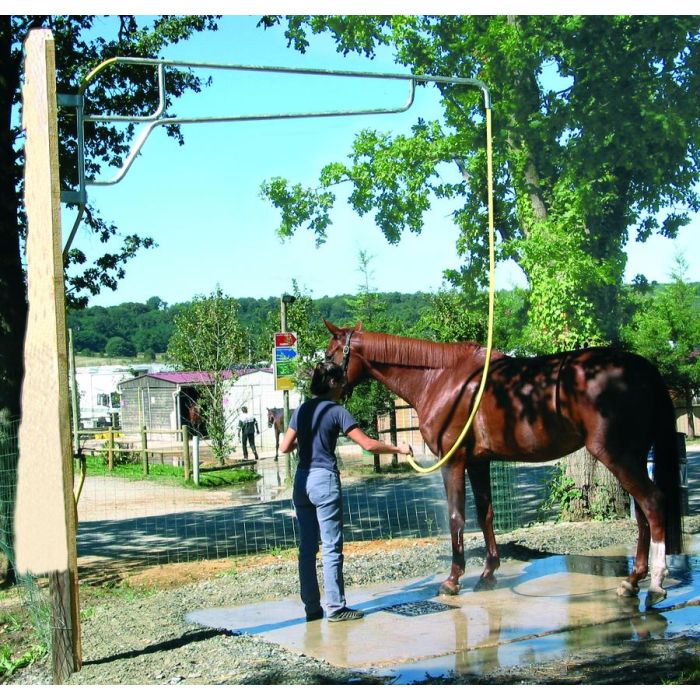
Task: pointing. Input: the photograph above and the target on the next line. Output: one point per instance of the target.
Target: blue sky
(201, 202)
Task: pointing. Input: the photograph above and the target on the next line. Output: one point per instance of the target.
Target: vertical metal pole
(285, 392)
(75, 406)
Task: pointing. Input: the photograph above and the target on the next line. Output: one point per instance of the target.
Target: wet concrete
(539, 610)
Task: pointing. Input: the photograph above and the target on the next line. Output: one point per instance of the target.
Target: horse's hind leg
(630, 586)
(631, 473)
(479, 476)
(453, 478)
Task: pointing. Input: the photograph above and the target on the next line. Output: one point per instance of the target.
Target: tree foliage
(666, 329)
(209, 338)
(82, 42)
(595, 131)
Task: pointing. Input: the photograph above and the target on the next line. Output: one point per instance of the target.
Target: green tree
(82, 41)
(666, 330)
(454, 316)
(304, 319)
(595, 130)
(209, 338)
(120, 347)
(370, 399)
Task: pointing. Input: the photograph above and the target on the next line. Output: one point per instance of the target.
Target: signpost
(285, 360)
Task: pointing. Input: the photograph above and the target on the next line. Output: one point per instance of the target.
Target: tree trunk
(601, 495)
(13, 302)
(689, 412)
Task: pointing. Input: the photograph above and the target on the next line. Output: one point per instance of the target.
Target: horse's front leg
(480, 478)
(453, 478)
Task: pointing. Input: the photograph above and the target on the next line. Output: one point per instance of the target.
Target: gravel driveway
(138, 635)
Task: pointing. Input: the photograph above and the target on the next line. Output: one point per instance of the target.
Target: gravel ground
(137, 635)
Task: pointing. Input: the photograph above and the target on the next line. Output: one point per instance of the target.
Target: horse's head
(272, 415)
(343, 350)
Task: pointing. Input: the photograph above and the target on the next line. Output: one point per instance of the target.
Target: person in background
(313, 430)
(247, 429)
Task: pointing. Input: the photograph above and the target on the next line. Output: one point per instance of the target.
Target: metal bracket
(157, 119)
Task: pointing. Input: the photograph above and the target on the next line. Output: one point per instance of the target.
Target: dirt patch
(169, 576)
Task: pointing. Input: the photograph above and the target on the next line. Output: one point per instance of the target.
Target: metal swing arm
(156, 119)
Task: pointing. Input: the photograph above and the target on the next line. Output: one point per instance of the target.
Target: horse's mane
(414, 352)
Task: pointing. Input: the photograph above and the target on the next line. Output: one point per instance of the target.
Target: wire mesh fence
(128, 518)
(33, 591)
(137, 522)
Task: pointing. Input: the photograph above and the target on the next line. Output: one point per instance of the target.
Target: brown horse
(275, 417)
(533, 409)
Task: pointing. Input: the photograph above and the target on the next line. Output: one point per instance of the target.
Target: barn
(162, 400)
(166, 400)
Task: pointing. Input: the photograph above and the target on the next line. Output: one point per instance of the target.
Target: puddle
(274, 485)
(497, 651)
(542, 610)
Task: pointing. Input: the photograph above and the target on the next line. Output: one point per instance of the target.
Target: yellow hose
(492, 294)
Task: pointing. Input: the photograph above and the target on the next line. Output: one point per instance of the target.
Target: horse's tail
(667, 474)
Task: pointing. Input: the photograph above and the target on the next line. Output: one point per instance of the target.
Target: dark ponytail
(327, 375)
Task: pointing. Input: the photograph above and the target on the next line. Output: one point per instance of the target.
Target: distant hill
(144, 329)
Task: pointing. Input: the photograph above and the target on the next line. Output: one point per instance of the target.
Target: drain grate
(422, 607)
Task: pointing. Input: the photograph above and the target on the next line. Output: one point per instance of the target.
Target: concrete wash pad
(539, 610)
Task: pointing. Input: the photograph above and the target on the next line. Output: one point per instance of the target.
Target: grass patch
(171, 475)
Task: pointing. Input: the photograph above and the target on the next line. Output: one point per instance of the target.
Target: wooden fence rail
(117, 443)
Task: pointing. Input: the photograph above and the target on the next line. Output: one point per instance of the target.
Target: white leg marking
(657, 553)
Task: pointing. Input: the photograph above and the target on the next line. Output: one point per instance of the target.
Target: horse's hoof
(448, 588)
(276, 460)
(627, 589)
(654, 596)
(487, 583)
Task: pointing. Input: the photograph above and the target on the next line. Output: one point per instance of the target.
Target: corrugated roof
(198, 377)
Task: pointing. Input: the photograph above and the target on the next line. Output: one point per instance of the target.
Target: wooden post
(45, 514)
(393, 435)
(110, 449)
(195, 459)
(377, 461)
(186, 451)
(144, 450)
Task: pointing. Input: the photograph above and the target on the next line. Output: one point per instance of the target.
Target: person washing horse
(314, 429)
(247, 429)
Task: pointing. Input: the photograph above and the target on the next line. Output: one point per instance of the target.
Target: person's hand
(405, 450)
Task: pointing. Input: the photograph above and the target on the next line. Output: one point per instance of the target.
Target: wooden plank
(45, 517)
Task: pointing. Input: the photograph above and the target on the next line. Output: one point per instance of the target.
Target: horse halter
(346, 354)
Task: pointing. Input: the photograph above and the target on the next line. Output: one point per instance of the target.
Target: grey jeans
(318, 501)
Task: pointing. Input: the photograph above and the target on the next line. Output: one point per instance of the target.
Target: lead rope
(489, 334)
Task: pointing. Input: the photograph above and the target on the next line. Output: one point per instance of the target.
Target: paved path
(375, 508)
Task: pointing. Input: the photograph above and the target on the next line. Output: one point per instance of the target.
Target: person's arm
(289, 441)
(377, 447)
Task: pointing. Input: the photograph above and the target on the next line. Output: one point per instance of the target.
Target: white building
(99, 401)
(255, 389)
